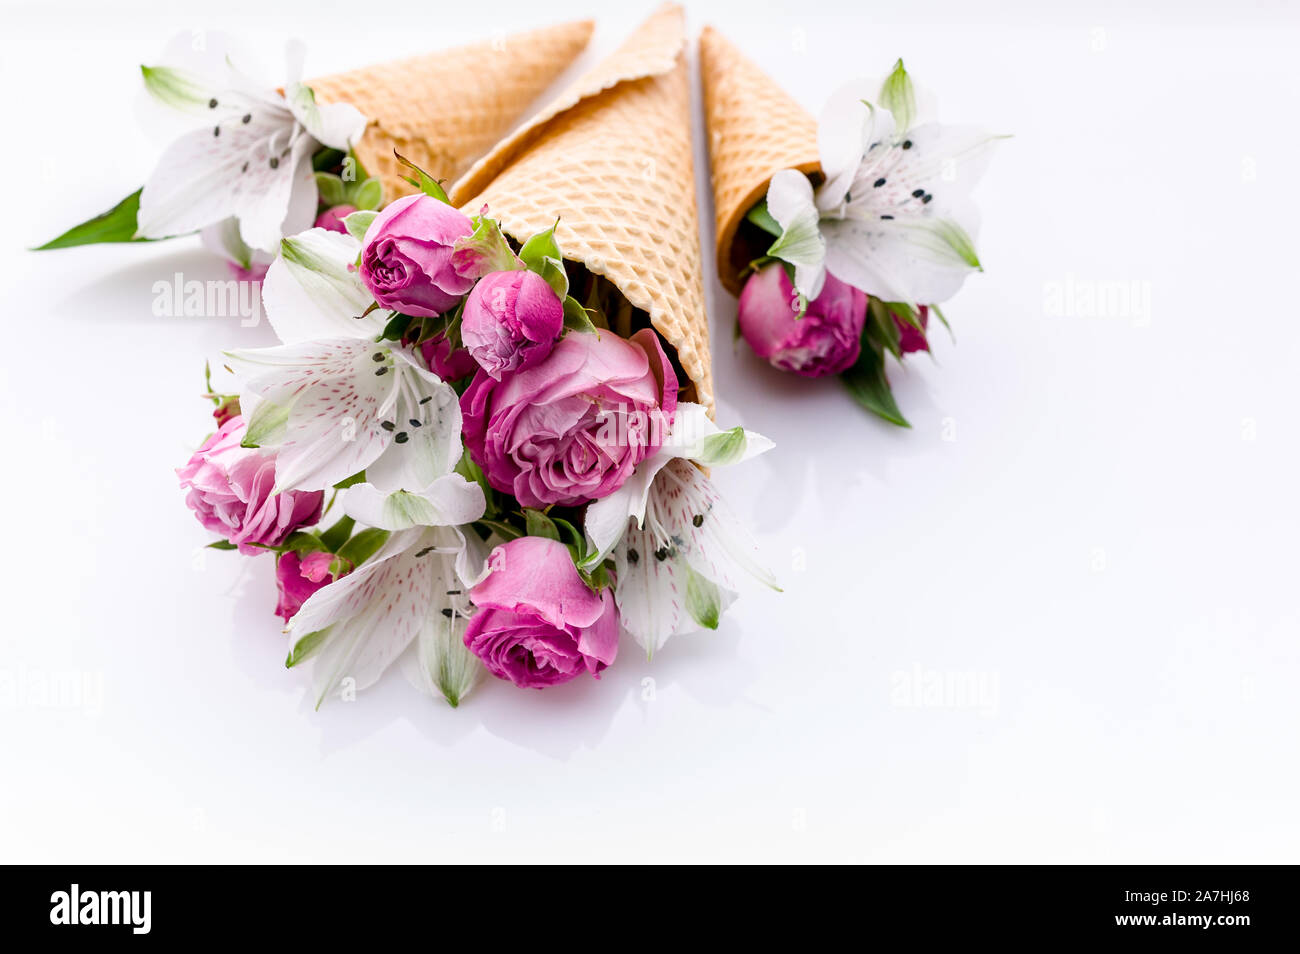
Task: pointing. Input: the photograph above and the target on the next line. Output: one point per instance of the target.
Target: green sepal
(422, 180)
(703, 598)
(118, 224)
(266, 423)
(541, 254)
(537, 524)
(358, 478)
(507, 531)
(358, 223)
(576, 317)
(222, 545)
(366, 195)
(397, 327)
(337, 535)
(330, 189)
(488, 247)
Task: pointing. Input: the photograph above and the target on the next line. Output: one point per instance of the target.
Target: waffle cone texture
(611, 159)
(443, 110)
(755, 129)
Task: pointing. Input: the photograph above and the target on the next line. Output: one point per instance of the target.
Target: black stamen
(917, 193)
(426, 399)
(216, 130)
(698, 520)
(275, 163)
(388, 425)
(424, 552)
(415, 423)
(925, 199)
(887, 218)
(878, 183)
(248, 118)
(633, 556)
(212, 104)
(451, 592)
(401, 437)
(379, 371)
(907, 144)
(245, 168)
(377, 356)
(448, 613)
(661, 554)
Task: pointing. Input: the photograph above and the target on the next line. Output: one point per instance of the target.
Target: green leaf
(118, 224)
(422, 180)
(763, 219)
(570, 536)
(357, 223)
(337, 535)
(541, 254)
(899, 97)
(327, 158)
(358, 478)
(397, 327)
(703, 599)
(881, 327)
(330, 189)
(222, 545)
(363, 546)
(540, 525)
(943, 321)
(867, 383)
(302, 542)
(367, 194)
(505, 530)
(305, 647)
(576, 317)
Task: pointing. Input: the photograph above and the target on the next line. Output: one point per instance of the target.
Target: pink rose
(230, 492)
(537, 623)
(826, 340)
(572, 428)
(511, 321)
(444, 361)
(406, 256)
(909, 339)
(228, 408)
(297, 578)
(332, 218)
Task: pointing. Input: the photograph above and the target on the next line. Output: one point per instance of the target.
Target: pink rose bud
(909, 339)
(444, 361)
(332, 218)
(537, 624)
(574, 427)
(230, 492)
(406, 256)
(254, 273)
(228, 408)
(511, 321)
(826, 340)
(297, 578)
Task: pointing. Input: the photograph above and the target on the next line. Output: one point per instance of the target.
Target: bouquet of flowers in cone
(261, 162)
(841, 236)
(510, 399)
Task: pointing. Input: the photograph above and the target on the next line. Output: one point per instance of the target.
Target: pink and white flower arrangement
(512, 486)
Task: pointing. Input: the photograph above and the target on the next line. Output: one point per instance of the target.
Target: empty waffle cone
(755, 129)
(443, 110)
(611, 159)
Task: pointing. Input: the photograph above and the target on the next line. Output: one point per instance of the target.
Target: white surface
(1107, 546)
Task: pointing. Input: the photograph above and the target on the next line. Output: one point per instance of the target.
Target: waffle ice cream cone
(611, 158)
(443, 110)
(755, 129)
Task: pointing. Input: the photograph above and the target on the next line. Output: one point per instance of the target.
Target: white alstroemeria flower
(334, 407)
(311, 290)
(413, 590)
(252, 158)
(675, 543)
(894, 216)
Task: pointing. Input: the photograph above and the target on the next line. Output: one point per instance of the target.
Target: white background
(1093, 519)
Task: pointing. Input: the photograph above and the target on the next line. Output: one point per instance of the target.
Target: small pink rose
(511, 321)
(230, 492)
(332, 218)
(406, 256)
(297, 578)
(826, 340)
(537, 624)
